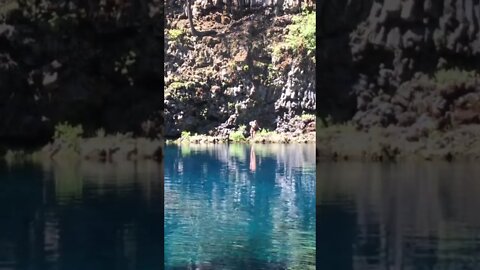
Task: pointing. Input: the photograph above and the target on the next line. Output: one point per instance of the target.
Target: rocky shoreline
(117, 148)
(346, 143)
(277, 138)
(120, 148)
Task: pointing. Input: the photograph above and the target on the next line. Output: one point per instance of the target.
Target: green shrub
(177, 85)
(300, 37)
(69, 134)
(453, 76)
(185, 135)
(301, 33)
(237, 136)
(308, 117)
(175, 34)
(277, 50)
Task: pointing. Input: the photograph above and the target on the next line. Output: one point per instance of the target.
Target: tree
(195, 32)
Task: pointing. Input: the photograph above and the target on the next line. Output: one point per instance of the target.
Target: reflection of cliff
(406, 215)
(70, 217)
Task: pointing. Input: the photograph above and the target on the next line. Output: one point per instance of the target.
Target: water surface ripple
(81, 215)
(237, 207)
(408, 215)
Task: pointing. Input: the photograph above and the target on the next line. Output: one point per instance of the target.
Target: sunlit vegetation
(301, 33)
(453, 76)
(300, 37)
(68, 134)
(185, 135)
(237, 136)
(175, 34)
(308, 117)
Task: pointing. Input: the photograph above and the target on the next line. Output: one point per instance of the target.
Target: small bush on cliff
(453, 76)
(308, 117)
(300, 38)
(179, 85)
(237, 136)
(301, 33)
(175, 34)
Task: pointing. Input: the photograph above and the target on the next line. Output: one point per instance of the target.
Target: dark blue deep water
(418, 216)
(84, 216)
(234, 207)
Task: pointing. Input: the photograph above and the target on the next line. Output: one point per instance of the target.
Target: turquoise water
(234, 207)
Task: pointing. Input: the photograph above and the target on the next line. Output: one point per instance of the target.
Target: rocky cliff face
(214, 84)
(382, 58)
(95, 64)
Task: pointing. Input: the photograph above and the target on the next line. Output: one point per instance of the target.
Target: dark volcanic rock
(382, 45)
(216, 84)
(93, 68)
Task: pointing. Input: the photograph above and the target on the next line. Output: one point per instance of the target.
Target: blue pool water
(234, 207)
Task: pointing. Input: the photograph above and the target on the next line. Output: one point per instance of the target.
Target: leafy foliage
(308, 117)
(301, 34)
(69, 134)
(185, 135)
(453, 76)
(237, 136)
(300, 38)
(175, 34)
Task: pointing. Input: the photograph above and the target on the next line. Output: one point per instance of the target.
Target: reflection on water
(403, 216)
(81, 216)
(233, 207)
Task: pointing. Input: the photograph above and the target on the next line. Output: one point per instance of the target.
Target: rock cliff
(214, 84)
(98, 64)
(409, 63)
